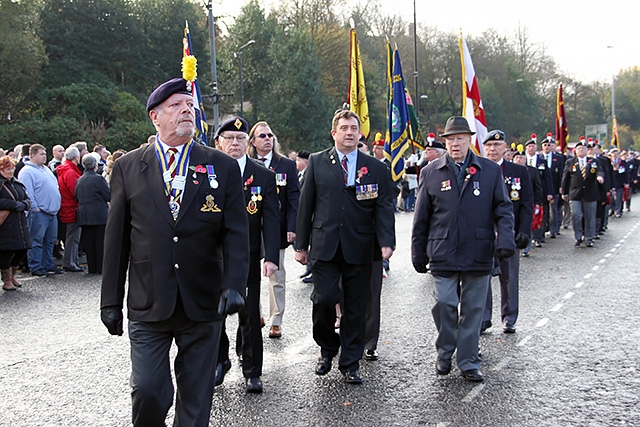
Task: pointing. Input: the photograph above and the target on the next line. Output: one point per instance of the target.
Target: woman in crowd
(14, 233)
(93, 196)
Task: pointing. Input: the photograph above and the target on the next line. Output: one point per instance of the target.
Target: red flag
(562, 131)
(472, 108)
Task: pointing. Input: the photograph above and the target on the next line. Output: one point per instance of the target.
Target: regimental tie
(583, 169)
(172, 164)
(345, 169)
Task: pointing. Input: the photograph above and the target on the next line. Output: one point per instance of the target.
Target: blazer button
(175, 239)
(176, 266)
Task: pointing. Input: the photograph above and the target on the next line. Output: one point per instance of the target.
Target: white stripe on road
(588, 275)
(607, 255)
(473, 393)
(542, 322)
(556, 307)
(502, 364)
(595, 267)
(523, 341)
(579, 284)
(569, 295)
(602, 261)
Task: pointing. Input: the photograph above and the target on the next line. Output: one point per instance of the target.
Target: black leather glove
(112, 318)
(420, 267)
(522, 240)
(28, 203)
(21, 206)
(230, 301)
(504, 253)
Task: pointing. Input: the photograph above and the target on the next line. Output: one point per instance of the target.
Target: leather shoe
(74, 269)
(509, 329)
(221, 370)
(40, 273)
(473, 375)
(371, 354)
(253, 385)
(324, 365)
(486, 324)
(308, 279)
(589, 243)
(275, 332)
(443, 366)
(56, 271)
(352, 376)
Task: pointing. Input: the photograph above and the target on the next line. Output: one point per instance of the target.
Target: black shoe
(509, 329)
(577, 243)
(371, 354)
(253, 385)
(221, 370)
(352, 376)
(597, 237)
(486, 324)
(302, 276)
(473, 375)
(590, 243)
(538, 245)
(56, 271)
(308, 279)
(443, 366)
(40, 273)
(74, 269)
(553, 236)
(324, 365)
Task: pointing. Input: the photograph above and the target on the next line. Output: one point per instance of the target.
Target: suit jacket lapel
(248, 171)
(190, 188)
(334, 164)
(150, 169)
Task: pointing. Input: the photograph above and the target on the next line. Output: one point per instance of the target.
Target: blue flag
(398, 121)
(201, 120)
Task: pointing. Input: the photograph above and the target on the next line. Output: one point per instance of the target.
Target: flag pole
(214, 77)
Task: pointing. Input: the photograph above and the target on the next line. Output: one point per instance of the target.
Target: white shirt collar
(242, 162)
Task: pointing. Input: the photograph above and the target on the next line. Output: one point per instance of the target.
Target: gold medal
(252, 207)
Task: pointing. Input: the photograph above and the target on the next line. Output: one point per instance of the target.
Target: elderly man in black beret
(462, 204)
(177, 225)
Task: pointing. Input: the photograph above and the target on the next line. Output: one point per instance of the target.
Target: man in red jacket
(68, 174)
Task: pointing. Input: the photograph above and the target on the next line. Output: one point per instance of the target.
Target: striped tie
(584, 169)
(345, 169)
(172, 163)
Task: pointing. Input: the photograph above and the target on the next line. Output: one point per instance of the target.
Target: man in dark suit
(345, 203)
(580, 188)
(261, 202)
(263, 146)
(537, 161)
(462, 203)
(555, 164)
(518, 186)
(520, 158)
(177, 224)
(604, 189)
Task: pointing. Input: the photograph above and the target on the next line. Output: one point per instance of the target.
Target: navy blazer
(93, 195)
(520, 190)
(262, 211)
(575, 186)
(459, 231)
(330, 213)
(288, 194)
(192, 258)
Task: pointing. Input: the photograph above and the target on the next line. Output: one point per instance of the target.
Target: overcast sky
(575, 33)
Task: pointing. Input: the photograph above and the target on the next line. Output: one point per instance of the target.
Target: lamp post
(238, 55)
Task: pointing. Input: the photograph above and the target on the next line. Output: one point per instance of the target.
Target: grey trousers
(459, 331)
(580, 209)
(71, 243)
(509, 283)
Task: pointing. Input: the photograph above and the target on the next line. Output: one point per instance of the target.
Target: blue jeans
(44, 230)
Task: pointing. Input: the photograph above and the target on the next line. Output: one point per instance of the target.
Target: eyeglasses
(231, 138)
(264, 135)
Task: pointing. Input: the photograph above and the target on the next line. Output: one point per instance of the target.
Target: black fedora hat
(456, 125)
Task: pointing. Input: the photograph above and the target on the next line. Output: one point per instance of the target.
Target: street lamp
(239, 56)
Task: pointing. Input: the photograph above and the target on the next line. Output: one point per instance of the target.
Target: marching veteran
(178, 225)
(262, 211)
(463, 219)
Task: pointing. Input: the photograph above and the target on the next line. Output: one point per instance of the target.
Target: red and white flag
(472, 108)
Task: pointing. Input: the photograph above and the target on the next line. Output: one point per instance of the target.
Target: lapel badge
(210, 205)
(445, 185)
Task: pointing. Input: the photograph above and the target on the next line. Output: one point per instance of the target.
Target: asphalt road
(574, 360)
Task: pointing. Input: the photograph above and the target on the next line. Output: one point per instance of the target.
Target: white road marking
(569, 295)
(588, 275)
(542, 322)
(607, 255)
(473, 393)
(602, 261)
(579, 284)
(523, 341)
(502, 364)
(556, 307)
(595, 267)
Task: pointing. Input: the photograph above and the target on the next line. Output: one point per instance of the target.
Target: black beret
(236, 124)
(304, 154)
(435, 144)
(581, 143)
(166, 89)
(494, 135)
(529, 142)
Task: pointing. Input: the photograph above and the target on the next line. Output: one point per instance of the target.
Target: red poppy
(200, 169)
(472, 170)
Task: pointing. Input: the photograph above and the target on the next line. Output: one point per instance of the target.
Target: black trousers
(326, 294)
(92, 241)
(249, 336)
(152, 388)
(373, 307)
(10, 259)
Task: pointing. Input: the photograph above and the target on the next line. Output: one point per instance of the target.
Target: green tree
(22, 56)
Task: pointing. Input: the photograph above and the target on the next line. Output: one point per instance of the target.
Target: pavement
(574, 360)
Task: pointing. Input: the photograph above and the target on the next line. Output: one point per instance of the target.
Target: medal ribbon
(181, 167)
